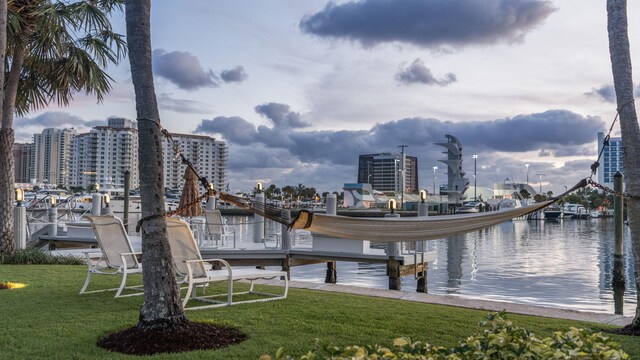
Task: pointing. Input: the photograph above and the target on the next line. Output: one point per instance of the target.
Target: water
(566, 264)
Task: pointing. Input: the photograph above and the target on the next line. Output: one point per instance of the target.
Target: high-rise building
(383, 172)
(52, 150)
(102, 155)
(457, 184)
(611, 161)
(23, 162)
(208, 155)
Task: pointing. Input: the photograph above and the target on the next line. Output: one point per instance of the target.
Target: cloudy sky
(298, 89)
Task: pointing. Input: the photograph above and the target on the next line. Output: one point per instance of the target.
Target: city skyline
(298, 90)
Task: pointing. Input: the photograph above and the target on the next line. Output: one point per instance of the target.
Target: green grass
(49, 320)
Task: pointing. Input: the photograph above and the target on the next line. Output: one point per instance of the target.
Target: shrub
(501, 340)
(35, 256)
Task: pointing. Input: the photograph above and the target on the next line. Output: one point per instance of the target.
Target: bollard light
(19, 196)
(423, 195)
(107, 200)
(53, 201)
(392, 205)
(259, 186)
(210, 187)
(97, 186)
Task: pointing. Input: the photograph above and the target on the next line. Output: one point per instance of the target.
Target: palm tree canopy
(67, 45)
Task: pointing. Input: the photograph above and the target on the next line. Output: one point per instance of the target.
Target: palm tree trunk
(623, 83)
(162, 308)
(7, 243)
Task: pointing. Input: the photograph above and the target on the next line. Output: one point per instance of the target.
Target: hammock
(407, 229)
(393, 229)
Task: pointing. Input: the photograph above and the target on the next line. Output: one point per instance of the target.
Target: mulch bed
(188, 337)
(627, 330)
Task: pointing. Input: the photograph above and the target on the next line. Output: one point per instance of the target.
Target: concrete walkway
(469, 303)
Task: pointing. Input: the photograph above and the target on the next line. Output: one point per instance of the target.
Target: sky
(299, 89)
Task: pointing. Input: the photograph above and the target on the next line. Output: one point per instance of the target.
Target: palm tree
(6, 151)
(623, 84)
(53, 50)
(162, 309)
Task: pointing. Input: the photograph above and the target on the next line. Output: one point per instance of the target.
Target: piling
(618, 281)
(20, 226)
(331, 276)
(53, 221)
(286, 235)
(393, 265)
(127, 189)
(258, 221)
(421, 247)
(96, 204)
(211, 203)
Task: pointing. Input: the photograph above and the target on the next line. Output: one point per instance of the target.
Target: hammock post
(421, 247)
(258, 224)
(331, 276)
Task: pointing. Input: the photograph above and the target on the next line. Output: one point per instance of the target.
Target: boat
(472, 207)
(575, 211)
(553, 212)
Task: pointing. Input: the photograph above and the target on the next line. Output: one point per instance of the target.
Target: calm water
(565, 264)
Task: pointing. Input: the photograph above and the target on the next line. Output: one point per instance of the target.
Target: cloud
(428, 23)
(281, 115)
(165, 101)
(418, 73)
(56, 119)
(607, 93)
(236, 74)
(183, 69)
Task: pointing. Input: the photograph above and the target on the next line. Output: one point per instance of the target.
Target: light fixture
(210, 187)
(53, 201)
(19, 196)
(97, 187)
(107, 200)
(423, 195)
(259, 186)
(392, 205)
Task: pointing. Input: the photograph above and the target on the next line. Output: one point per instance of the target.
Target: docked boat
(472, 207)
(553, 212)
(575, 211)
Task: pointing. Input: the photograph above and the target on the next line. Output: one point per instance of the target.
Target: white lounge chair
(116, 255)
(189, 263)
(217, 232)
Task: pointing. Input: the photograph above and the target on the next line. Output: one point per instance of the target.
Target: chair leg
(230, 290)
(86, 282)
(190, 288)
(123, 284)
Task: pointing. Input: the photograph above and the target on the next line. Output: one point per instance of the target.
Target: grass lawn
(49, 320)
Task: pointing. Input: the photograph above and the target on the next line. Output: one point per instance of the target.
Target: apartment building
(52, 149)
(23, 162)
(385, 173)
(208, 155)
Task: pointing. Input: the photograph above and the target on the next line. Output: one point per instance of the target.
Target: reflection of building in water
(455, 253)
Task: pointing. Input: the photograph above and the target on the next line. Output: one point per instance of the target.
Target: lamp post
(541, 175)
(403, 176)
(475, 183)
(434, 179)
(20, 221)
(259, 194)
(106, 210)
(527, 166)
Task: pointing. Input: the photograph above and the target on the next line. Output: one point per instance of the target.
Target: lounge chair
(116, 255)
(217, 232)
(189, 263)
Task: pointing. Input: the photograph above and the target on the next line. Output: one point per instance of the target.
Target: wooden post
(393, 271)
(332, 274)
(422, 279)
(618, 282)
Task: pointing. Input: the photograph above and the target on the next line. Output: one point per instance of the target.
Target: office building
(384, 172)
(611, 160)
(23, 162)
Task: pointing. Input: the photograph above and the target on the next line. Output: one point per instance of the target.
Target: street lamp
(527, 166)
(392, 205)
(423, 195)
(475, 183)
(434, 179)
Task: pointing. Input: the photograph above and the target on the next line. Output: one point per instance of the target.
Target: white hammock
(407, 229)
